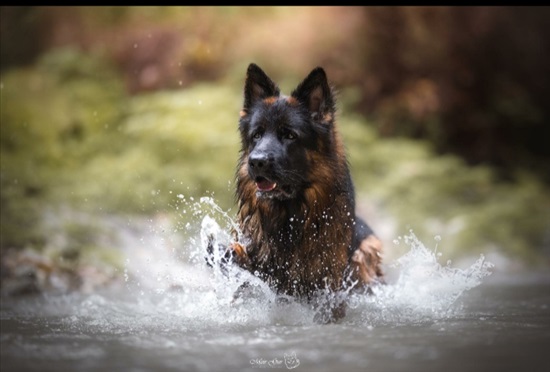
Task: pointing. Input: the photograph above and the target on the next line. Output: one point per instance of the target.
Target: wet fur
(303, 237)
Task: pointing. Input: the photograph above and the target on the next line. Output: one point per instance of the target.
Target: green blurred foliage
(441, 195)
(71, 135)
(50, 120)
(73, 140)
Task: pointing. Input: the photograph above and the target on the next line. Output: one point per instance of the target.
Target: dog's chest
(305, 265)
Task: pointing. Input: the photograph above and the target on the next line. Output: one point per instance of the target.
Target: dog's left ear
(257, 86)
(316, 94)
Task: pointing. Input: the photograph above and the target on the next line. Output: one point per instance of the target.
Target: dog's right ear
(257, 87)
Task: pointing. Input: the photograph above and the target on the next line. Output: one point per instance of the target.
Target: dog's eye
(287, 134)
(257, 136)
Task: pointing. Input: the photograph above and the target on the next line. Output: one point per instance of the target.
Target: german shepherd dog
(296, 200)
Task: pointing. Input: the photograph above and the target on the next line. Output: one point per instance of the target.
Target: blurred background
(115, 120)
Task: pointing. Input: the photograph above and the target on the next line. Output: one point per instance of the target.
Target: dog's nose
(258, 161)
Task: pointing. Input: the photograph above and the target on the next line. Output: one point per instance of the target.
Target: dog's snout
(259, 161)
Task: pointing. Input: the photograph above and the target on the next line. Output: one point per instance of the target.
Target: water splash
(171, 299)
(425, 290)
(173, 288)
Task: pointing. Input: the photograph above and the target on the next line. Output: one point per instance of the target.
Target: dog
(296, 201)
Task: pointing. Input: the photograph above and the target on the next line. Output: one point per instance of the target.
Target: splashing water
(170, 288)
(174, 312)
(425, 290)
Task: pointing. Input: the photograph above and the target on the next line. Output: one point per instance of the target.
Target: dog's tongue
(265, 185)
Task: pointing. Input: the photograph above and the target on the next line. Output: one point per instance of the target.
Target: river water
(179, 315)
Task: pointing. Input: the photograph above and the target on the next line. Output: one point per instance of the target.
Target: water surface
(179, 315)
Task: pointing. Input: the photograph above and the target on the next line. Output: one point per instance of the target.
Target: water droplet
(437, 238)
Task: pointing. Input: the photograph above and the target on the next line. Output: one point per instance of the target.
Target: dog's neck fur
(321, 210)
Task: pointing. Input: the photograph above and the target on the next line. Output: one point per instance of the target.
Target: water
(172, 313)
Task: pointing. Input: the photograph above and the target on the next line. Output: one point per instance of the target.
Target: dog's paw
(222, 255)
(366, 261)
(238, 254)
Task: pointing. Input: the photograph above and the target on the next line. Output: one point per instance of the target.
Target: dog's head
(283, 136)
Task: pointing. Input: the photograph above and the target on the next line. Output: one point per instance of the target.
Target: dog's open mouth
(272, 190)
(265, 185)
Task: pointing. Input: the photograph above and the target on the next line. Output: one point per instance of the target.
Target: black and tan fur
(296, 201)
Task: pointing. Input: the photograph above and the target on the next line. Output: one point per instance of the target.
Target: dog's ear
(316, 94)
(257, 86)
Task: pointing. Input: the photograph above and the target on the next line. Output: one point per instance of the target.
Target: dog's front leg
(239, 255)
(224, 255)
(365, 262)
